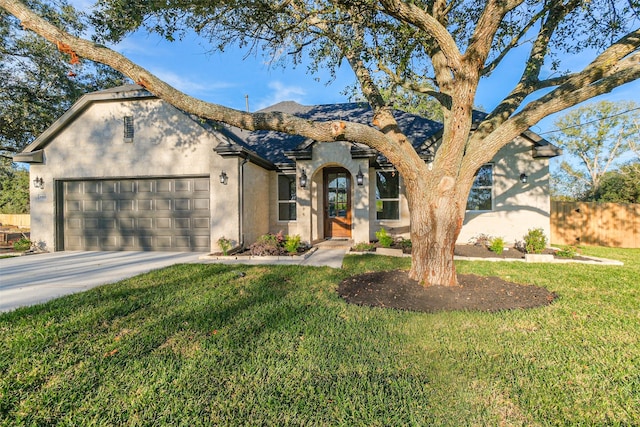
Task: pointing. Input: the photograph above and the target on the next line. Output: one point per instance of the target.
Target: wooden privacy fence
(17, 220)
(599, 224)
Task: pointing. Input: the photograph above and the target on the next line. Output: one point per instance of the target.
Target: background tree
(620, 186)
(14, 191)
(595, 139)
(452, 45)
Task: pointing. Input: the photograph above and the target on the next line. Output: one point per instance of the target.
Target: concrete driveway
(33, 279)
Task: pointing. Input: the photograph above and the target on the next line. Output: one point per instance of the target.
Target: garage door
(159, 214)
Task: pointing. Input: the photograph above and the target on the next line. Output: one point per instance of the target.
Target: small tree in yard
(451, 45)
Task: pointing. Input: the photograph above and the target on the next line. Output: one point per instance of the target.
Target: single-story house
(125, 170)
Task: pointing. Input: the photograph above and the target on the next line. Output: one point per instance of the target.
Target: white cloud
(192, 85)
(82, 4)
(281, 92)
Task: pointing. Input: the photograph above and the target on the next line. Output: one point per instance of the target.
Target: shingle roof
(272, 145)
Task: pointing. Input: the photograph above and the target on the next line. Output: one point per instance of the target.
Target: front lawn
(237, 345)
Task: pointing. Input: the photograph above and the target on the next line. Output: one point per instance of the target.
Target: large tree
(451, 44)
(595, 139)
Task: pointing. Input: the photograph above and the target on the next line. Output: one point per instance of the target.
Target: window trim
(293, 201)
(388, 199)
(481, 187)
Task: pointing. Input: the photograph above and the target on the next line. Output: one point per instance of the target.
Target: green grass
(200, 345)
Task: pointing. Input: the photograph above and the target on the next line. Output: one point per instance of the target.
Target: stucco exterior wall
(256, 201)
(399, 227)
(275, 224)
(166, 143)
(517, 207)
(225, 201)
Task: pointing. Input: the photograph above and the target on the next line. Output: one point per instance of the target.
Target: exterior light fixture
(428, 157)
(303, 179)
(224, 178)
(359, 177)
(38, 182)
(524, 178)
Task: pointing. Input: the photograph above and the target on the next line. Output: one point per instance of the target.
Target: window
(387, 195)
(481, 194)
(286, 197)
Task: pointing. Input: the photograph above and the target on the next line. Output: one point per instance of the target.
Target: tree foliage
(14, 191)
(595, 140)
(37, 83)
(432, 47)
(620, 186)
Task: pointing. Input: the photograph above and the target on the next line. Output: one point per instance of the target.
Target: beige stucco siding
(517, 207)
(166, 144)
(275, 224)
(399, 227)
(256, 202)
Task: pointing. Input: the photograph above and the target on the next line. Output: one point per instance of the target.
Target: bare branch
(485, 31)
(412, 14)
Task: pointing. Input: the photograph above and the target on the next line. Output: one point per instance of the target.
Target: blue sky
(226, 78)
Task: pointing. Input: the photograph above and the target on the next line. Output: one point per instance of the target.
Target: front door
(337, 203)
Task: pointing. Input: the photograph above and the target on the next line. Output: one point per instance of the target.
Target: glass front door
(337, 202)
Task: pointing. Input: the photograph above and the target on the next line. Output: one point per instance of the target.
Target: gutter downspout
(245, 160)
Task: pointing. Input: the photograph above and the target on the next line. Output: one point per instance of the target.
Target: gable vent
(128, 128)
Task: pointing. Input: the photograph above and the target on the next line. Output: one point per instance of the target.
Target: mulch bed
(394, 289)
(479, 251)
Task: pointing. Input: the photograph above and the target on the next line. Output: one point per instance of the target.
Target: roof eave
(33, 157)
(234, 150)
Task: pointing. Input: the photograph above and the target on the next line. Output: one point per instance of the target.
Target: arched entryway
(337, 202)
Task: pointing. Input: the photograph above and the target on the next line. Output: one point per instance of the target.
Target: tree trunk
(436, 222)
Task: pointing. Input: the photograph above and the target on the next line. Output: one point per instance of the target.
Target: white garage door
(157, 214)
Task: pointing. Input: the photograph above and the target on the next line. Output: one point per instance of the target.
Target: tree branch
(286, 123)
(412, 14)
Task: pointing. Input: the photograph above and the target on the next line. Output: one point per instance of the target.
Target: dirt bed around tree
(394, 289)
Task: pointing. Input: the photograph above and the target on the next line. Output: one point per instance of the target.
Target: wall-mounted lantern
(429, 156)
(359, 177)
(38, 182)
(224, 179)
(303, 179)
(524, 178)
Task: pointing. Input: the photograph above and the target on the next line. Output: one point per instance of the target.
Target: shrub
(405, 244)
(363, 247)
(22, 245)
(567, 252)
(225, 245)
(292, 243)
(480, 240)
(268, 244)
(384, 238)
(535, 241)
(496, 245)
